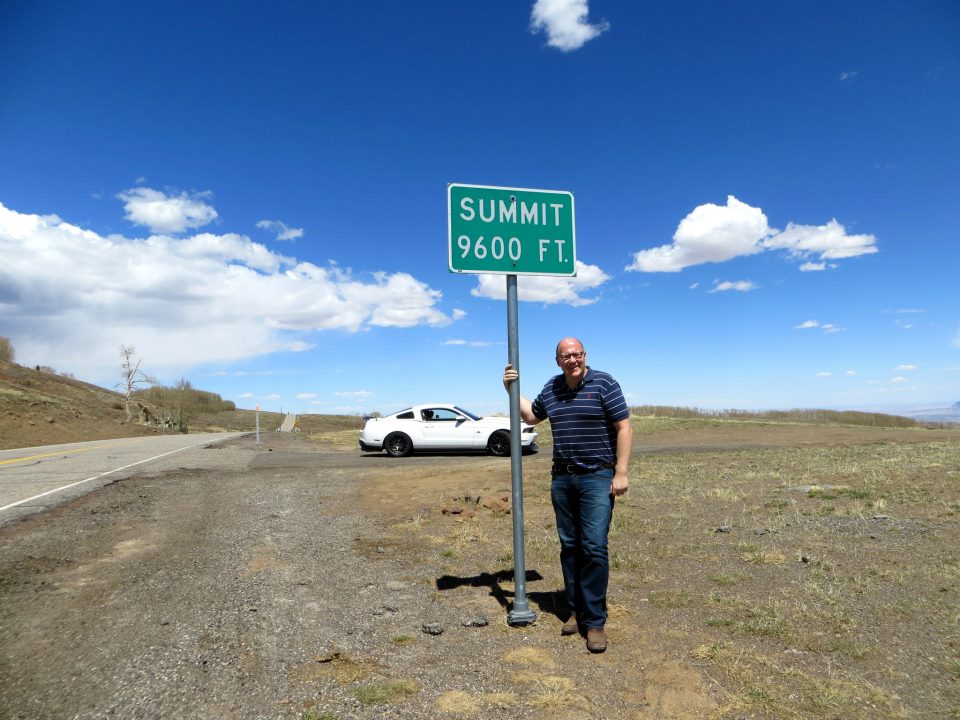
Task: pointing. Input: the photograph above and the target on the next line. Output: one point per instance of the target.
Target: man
(592, 439)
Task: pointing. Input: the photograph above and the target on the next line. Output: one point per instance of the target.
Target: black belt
(571, 469)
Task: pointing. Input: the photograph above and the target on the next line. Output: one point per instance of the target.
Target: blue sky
(254, 196)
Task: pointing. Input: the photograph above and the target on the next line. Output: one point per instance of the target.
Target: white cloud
(397, 300)
(905, 367)
(297, 346)
(544, 288)
(694, 286)
(472, 343)
(246, 395)
(825, 373)
(899, 379)
(850, 373)
(717, 233)
(828, 328)
(828, 242)
(565, 22)
(305, 396)
(848, 75)
(711, 233)
(358, 394)
(280, 229)
(70, 297)
(814, 267)
(163, 213)
(738, 285)
(903, 325)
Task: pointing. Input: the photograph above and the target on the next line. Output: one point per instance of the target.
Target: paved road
(35, 479)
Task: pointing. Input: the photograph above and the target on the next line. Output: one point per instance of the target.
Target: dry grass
(530, 656)
(385, 692)
(549, 692)
(344, 669)
(767, 688)
(461, 702)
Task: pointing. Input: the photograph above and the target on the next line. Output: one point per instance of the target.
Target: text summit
(535, 213)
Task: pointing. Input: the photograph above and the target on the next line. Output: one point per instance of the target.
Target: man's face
(572, 359)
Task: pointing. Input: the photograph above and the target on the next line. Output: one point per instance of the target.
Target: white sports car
(441, 427)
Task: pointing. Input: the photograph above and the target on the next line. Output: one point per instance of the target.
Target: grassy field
(807, 581)
(820, 582)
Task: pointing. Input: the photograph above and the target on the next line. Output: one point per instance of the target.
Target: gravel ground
(293, 580)
(235, 587)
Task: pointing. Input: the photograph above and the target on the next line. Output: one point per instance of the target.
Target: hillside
(38, 407)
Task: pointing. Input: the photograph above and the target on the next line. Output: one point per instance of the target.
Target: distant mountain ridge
(923, 412)
(944, 413)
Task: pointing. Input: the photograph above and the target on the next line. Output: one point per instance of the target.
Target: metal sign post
(520, 614)
(512, 231)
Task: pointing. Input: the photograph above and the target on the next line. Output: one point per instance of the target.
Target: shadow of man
(546, 602)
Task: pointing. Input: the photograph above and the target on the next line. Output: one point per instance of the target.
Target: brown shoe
(570, 627)
(596, 640)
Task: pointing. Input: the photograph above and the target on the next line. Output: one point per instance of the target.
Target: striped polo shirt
(582, 420)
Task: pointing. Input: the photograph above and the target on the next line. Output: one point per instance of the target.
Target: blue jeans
(584, 507)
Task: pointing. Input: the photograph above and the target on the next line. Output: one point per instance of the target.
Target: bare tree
(182, 404)
(133, 376)
(6, 349)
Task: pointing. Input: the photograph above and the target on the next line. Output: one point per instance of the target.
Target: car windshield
(467, 413)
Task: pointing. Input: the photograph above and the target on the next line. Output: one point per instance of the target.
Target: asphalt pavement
(36, 479)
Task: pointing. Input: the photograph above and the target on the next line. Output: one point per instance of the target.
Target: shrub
(850, 417)
(6, 350)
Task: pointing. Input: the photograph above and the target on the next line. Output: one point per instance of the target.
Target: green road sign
(511, 231)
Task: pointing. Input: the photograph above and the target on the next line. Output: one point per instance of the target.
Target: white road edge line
(103, 474)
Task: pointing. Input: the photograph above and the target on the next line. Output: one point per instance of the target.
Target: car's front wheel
(397, 445)
(499, 443)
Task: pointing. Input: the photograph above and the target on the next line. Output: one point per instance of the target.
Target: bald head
(570, 344)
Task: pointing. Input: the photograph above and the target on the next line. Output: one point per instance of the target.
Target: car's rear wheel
(499, 443)
(397, 445)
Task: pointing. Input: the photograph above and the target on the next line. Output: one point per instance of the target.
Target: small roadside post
(512, 231)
